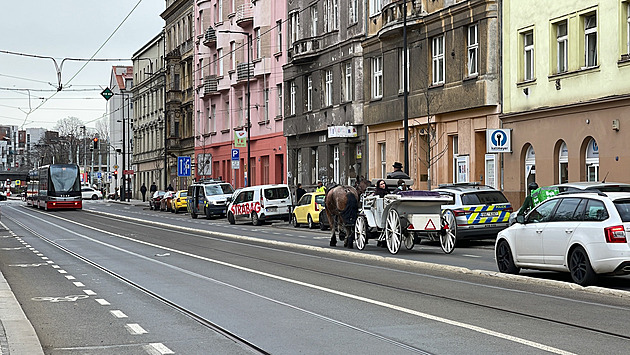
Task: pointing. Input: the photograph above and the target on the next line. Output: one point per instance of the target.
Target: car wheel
(311, 224)
(94, 197)
(207, 213)
(255, 220)
(231, 219)
(193, 215)
(505, 261)
(176, 210)
(580, 267)
(294, 221)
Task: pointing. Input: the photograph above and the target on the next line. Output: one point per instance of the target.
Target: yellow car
(307, 209)
(179, 201)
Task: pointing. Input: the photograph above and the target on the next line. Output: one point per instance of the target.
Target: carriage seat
(392, 184)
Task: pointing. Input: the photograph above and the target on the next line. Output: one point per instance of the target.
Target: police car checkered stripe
(476, 218)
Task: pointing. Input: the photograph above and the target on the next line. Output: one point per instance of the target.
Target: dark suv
(209, 198)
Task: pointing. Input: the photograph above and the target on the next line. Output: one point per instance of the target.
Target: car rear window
(276, 193)
(623, 207)
(320, 199)
(483, 198)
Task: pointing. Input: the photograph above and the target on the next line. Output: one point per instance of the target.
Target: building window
(280, 102)
(528, 55)
(377, 77)
(220, 60)
(309, 93)
(328, 89)
(232, 55)
(220, 11)
(294, 22)
(227, 115)
(562, 49)
(336, 175)
(375, 7)
(240, 112)
(314, 20)
(383, 156)
(331, 15)
(563, 164)
(279, 44)
(438, 60)
(590, 40)
(347, 82)
(292, 97)
(401, 70)
(258, 53)
(473, 50)
(213, 115)
(592, 161)
(628, 28)
(352, 12)
(266, 101)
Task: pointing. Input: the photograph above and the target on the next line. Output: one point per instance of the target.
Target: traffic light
(115, 172)
(95, 140)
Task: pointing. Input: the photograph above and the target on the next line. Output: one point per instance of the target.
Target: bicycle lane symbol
(71, 298)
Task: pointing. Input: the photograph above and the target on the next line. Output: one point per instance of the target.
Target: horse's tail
(349, 214)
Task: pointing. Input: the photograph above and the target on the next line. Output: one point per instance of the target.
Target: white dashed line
(471, 256)
(39, 254)
(44, 258)
(50, 262)
(102, 302)
(158, 349)
(68, 276)
(56, 266)
(62, 271)
(135, 329)
(89, 292)
(118, 313)
(79, 284)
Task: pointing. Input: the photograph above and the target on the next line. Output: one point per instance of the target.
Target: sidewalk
(17, 335)
(131, 202)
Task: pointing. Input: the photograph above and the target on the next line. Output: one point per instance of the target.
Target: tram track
(417, 292)
(342, 278)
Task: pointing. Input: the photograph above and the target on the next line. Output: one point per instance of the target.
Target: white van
(260, 203)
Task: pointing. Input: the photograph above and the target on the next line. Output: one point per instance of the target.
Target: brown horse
(342, 207)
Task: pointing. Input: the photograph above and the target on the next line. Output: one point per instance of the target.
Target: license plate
(490, 214)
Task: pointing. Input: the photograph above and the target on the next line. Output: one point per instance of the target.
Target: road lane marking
(295, 282)
(135, 329)
(79, 284)
(89, 292)
(102, 302)
(158, 349)
(471, 256)
(118, 313)
(62, 271)
(56, 266)
(69, 277)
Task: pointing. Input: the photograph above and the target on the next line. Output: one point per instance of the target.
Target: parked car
(307, 209)
(260, 203)
(477, 212)
(154, 200)
(88, 193)
(577, 187)
(580, 233)
(209, 198)
(166, 201)
(179, 201)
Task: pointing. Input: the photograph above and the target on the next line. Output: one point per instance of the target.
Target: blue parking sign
(236, 154)
(183, 166)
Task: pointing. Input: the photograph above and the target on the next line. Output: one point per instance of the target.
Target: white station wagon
(585, 234)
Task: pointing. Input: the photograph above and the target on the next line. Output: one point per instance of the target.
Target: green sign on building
(107, 94)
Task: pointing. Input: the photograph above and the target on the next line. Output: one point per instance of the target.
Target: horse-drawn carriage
(404, 217)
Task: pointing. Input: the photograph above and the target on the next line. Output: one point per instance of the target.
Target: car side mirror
(229, 199)
(520, 219)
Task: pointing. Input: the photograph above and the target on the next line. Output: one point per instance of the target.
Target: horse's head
(361, 185)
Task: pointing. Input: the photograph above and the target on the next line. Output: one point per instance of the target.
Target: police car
(477, 212)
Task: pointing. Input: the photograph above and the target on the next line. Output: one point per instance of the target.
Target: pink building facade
(221, 61)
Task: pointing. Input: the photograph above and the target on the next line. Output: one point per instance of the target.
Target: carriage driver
(397, 173)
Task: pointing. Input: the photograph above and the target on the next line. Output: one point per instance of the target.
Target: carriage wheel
(449, 238)
(409, 242)
(393, 231)
(360, 232)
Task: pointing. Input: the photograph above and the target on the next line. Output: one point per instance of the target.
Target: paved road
(284, 297)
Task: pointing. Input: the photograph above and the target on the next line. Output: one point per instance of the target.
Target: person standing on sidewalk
(143, 191)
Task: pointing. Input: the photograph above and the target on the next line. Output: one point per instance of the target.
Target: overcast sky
(67, 29)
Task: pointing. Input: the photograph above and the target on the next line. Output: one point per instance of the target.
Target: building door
(530, 166)
(592, 161)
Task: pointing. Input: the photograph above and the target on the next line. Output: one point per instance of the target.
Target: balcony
(241, 71)
(210, 85)
(210, 37)
(245, 15)
(305, 49)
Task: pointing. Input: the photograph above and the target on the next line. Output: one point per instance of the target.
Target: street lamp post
(405, 91)
(249, 48)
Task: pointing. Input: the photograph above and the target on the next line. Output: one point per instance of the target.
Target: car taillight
(317, 207)
(262, 205)
(509, 209)
(616, 234)
(461, 212)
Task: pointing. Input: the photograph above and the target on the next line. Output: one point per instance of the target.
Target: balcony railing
(210, 37)
(241, 71)
(245, 15)
(305, 48)
(210, 85)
